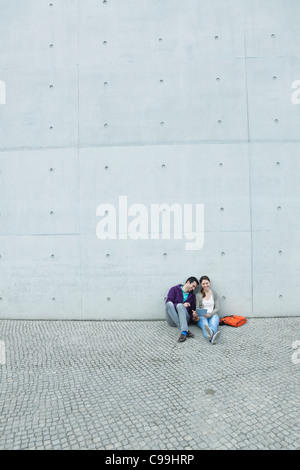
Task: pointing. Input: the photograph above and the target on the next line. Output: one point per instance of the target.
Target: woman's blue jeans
(212, 323)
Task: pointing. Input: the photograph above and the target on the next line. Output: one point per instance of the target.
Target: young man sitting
(180, 304)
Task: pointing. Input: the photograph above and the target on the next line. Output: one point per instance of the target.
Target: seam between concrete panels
(249, 163)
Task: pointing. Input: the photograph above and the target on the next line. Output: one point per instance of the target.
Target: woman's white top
(208, 304)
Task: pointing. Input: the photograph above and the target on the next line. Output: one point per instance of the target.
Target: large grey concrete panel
(39, 192)
(146, 31)
(275, 203)
(169, 174)
(276, 272)
(272, 114)
(271, 28)
(38, 34)
(41, 108)
(275, 192)
(40, 277)
(148, 102)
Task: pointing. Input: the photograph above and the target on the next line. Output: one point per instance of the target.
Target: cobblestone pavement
(131, 385)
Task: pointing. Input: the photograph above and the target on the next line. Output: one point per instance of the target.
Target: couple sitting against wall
(181, 305)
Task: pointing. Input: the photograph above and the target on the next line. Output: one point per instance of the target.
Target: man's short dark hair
(192, 279)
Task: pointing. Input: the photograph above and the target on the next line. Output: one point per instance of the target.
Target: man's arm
(192, 305)
(172, 296)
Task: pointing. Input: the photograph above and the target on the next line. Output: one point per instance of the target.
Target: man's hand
(186, 304)
(195, 316)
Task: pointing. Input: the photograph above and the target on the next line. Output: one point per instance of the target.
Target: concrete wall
(110, 107)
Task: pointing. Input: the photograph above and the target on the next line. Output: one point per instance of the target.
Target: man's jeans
(177, 316)
(212, 322)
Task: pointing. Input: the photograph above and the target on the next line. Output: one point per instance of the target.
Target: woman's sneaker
(215, 337)
(209, 332)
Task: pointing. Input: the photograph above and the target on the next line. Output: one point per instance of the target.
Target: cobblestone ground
(131, 385)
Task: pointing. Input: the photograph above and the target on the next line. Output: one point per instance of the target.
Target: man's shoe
(215, 337)
(181, 338)
(190, 334)
(209, 332)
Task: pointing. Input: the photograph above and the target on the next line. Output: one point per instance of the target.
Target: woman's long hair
(203, 278)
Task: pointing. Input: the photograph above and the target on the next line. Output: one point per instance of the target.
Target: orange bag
(233, 320)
